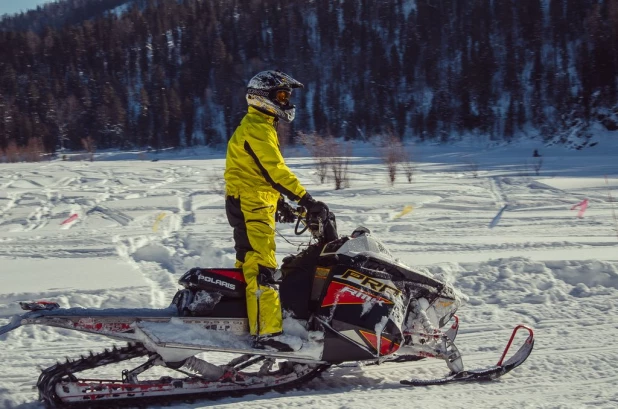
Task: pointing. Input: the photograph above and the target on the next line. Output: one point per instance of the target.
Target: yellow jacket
(254, 162)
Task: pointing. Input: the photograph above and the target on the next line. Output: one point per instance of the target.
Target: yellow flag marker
(405, 211)
(160, 217)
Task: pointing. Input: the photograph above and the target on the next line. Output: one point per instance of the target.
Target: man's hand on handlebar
(285, 213)
(317, 218)
(314, 208)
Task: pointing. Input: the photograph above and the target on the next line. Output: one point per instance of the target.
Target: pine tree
(144, 123)
(188, 110)
(175, 120)
(367, 67)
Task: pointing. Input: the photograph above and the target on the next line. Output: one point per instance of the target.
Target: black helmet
(269, 91)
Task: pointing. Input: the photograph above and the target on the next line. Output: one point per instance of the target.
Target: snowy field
(141, 223)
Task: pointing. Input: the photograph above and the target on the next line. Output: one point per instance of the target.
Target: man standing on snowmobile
(256, 176)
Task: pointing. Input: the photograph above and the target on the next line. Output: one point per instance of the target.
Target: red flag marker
(70, 219)
(583, 205)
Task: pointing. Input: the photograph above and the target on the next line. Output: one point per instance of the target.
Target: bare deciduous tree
(329, 155)
(339, 163)
(408, 166)
(316, 147)
(33, 151)
(392, 152)
(537, 164)
(90, 146)
(11, 153)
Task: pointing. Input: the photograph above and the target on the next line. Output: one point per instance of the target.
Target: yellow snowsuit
(255, 176)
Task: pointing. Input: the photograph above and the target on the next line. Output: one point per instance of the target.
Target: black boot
(272, 341)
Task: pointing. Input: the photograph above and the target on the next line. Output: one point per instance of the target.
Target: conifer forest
(173, 73)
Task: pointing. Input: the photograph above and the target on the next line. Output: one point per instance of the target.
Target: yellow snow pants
(252, 215)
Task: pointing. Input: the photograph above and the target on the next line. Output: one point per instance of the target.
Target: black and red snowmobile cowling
(345, 299)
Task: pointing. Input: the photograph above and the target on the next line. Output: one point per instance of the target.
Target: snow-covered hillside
(140, 224)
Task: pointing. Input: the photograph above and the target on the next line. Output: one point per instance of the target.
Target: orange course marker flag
(160, 217)
(405, 211)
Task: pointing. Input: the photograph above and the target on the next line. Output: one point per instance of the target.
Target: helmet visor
(282, 96)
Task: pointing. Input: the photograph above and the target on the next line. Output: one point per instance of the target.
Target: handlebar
(323, 227)
(301, 217)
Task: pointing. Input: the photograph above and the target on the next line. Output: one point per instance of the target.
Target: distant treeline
(173, 73)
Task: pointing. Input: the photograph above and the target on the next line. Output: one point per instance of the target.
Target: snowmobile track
(51, 376)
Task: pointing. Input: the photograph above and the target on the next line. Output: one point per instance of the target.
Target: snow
(123, 8)
(37, 276)
(142, 223)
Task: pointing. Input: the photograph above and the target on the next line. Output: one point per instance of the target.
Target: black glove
(314, 208)
(285, 212)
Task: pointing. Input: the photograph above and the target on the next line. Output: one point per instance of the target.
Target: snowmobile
(346, 300)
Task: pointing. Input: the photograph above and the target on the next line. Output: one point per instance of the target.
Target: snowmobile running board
(486, 374)
(165, 335)
(159, 328)
(113, 322)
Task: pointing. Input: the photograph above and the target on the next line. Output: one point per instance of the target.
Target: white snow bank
(519, 280)
(41, 275)
(591, 273)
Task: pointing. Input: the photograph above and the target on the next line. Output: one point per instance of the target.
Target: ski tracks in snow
(159, 255)
(497, 191)
(572, 306)
(144, 254)
(156, 255)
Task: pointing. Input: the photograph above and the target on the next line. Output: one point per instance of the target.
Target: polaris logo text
(218, 282)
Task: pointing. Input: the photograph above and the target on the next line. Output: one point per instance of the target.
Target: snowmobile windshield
(367, 245)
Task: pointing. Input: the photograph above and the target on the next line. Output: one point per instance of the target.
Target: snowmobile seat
(230, 282)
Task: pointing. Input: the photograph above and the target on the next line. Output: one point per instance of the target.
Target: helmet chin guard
(262, 94)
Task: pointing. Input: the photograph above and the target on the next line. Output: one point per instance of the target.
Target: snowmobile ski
(486, 374)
